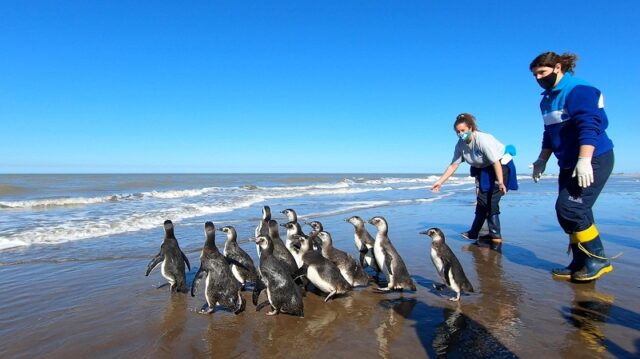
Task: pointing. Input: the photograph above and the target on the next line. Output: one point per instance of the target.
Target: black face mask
(548, 81)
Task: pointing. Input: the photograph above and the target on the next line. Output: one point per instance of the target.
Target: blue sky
(295, 86)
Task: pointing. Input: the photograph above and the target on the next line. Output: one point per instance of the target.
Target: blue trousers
(574, 203)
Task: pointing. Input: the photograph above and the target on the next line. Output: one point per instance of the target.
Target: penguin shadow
(223, 335)
(443, 331)
(435, 288)
(459, 336)
(173, 323)
(589, 311)
(390, 326)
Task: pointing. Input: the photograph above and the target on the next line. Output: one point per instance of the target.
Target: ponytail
(567, 61)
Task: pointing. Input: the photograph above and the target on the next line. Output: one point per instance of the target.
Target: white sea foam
(6, 243)
(83, 229)
(64, 202)
(143, 211)
(182, 193)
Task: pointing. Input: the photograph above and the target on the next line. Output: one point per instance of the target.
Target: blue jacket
(487, 176)
(573, 114)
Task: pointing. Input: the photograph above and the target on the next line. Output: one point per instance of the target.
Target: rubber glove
(584, 172)
(538, 169)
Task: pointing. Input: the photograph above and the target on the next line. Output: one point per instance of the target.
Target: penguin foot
(456, 298)
(330, 296)
(262, 305)
(162, 286)
(438, 286)
(273, 312)
(382, 290)
(242, 306)
(206, 309)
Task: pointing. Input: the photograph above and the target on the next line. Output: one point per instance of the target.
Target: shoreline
(105, 308)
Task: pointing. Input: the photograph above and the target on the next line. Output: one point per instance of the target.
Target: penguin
(320, 271)
(263, 226)
(221, 287)
(364, 244)
(293, 232)
(447, 264)
(349, 268)
(172, 259)
(316, 227)
(313, 235)
(241, 264)
(388, 259)
(283, 294)
(292, 216)
(280, 251)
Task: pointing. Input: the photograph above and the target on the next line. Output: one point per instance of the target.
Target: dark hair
(468, 119)
(567, 61)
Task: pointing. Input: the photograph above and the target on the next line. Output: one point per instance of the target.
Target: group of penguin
(287, 268)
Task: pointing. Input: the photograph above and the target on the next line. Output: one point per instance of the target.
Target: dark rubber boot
(494, 226)
(478, 221)
(596, 262)
(577, 262)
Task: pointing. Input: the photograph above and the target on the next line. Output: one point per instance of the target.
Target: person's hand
(436, 187)
(502, 187)
(538, 169)
(584, 172)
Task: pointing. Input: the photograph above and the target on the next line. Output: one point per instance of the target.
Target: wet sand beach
(102, 306)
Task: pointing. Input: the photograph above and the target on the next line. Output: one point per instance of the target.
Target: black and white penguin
(447, 265)
(364, 244)
(291, 215)
(241, 264)
(320, 271)
(263, 226)
(280, 251)
(349, 268)
(316, 227)
(172, 259)
(293, 232)
(283, 294)
(221, 287)
(389, 260)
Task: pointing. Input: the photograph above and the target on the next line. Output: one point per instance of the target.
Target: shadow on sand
(589, 312)
(448, 332)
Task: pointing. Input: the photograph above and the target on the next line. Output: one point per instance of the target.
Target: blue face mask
(465, 136)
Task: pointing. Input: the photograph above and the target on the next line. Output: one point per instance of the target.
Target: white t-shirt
(481, 152)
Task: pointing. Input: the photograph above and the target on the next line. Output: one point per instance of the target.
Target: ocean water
(81, 244)
(55, 209)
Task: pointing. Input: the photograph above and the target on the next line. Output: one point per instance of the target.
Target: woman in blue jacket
(574, 131)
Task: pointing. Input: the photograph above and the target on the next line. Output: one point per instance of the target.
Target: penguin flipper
(154, 263)
(257, 289)
(186, 260)
(445, 271)
(387, 261)
(196, 280)
(300, 272)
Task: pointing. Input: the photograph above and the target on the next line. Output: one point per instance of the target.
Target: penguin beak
(426, 233)
(283, 225)
(219, 229)
(252, 239)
